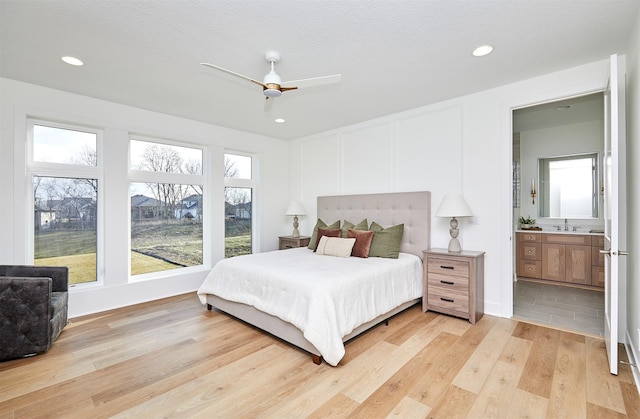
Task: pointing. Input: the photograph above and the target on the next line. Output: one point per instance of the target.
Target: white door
(615, 205)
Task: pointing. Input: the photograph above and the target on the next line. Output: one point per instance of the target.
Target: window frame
(147, 176)
(66, 170)
(231, 182)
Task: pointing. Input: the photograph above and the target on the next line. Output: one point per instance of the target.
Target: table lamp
(454, 206)
(295, 208)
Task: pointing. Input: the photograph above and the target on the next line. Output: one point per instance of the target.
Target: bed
(318, 316)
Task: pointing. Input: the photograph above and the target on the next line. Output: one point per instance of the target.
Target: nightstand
(290, 242)
(453, 283)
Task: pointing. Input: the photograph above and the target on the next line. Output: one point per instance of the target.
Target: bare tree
(230, 170)
(160, 158)
(88, 157)
(194, 167)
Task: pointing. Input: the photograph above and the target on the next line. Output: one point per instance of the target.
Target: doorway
(560, 130)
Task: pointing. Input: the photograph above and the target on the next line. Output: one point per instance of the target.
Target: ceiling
(393, 55)
(569, 111)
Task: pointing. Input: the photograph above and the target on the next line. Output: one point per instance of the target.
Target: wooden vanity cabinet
(567, 258)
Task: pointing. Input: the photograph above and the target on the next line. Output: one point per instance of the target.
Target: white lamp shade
(295, 208)
(453, 206)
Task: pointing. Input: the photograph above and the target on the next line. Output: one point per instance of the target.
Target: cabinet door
(578, 264)
(553, 261)
(597, 276)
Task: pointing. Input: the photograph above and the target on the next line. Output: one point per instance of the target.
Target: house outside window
(167, 186)
(65, 172)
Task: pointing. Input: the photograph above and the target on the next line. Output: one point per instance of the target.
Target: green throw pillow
(362, 225)
(320, 224)
(386, 241)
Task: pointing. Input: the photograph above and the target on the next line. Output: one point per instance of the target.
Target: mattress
(326, 297)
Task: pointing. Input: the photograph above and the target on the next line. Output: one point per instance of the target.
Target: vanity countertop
(578, 233)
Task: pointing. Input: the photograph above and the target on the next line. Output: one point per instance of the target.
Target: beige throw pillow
(335, 246)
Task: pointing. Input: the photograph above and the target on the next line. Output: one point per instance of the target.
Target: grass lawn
(156, 246)
(82, 268)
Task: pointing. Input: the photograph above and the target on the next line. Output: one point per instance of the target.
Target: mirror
(568, 186)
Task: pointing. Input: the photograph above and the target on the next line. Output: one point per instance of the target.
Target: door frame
(513, 221)
(558, 86)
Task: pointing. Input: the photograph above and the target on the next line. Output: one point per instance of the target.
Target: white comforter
(324, 296)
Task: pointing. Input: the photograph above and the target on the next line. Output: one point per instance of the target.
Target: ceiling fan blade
(315, 81)
(233, 73)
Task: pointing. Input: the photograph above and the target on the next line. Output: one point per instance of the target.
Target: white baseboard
(634, 358)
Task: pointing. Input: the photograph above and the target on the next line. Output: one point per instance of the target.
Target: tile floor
(564, 307)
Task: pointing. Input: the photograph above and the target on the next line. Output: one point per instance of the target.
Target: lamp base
(454, 246)
(454, 243)
(295, 233)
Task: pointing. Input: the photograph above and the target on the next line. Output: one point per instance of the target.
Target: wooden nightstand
(290, 242)
(453, 283)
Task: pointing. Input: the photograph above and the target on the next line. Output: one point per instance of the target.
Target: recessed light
(482, 50)
(72, 61)
(279, 121)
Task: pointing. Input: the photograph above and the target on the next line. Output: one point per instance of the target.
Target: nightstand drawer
(290, 242)
(448, 267)
(449, 299)
(448, 283)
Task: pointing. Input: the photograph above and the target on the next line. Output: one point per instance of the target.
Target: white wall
(461, 145)
(579, 138)
(19, 100)
(633, 197)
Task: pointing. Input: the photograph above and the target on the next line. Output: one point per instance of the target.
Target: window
(167, 211)
(238, 203)
(64, 171)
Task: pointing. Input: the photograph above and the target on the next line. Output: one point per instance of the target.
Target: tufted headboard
(413, 209)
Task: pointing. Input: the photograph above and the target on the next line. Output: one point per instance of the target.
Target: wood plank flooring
(172, 358)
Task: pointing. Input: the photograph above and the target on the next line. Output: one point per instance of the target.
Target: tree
(194, 167)
(161, 158)
(88, 157)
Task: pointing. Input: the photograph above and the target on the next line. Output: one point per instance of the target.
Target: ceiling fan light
(272, 78)
(272, 92)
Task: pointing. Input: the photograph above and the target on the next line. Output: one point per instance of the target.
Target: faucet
(566, 225)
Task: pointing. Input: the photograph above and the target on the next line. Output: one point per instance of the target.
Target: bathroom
(558, 214)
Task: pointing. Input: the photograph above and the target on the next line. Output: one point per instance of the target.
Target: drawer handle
(448, 300)
(447, 282)
(446, 267)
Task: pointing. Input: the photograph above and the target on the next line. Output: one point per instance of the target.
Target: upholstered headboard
(413, 209)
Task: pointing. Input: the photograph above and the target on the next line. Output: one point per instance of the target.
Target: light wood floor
(172, 358)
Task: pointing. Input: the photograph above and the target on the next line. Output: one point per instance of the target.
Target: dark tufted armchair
(33, 308)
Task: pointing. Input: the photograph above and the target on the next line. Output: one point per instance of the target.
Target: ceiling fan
(272, 84)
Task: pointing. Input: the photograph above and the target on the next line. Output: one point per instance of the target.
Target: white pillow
(335, 246)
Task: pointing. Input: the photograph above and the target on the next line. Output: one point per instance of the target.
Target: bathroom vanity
(562, 258)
